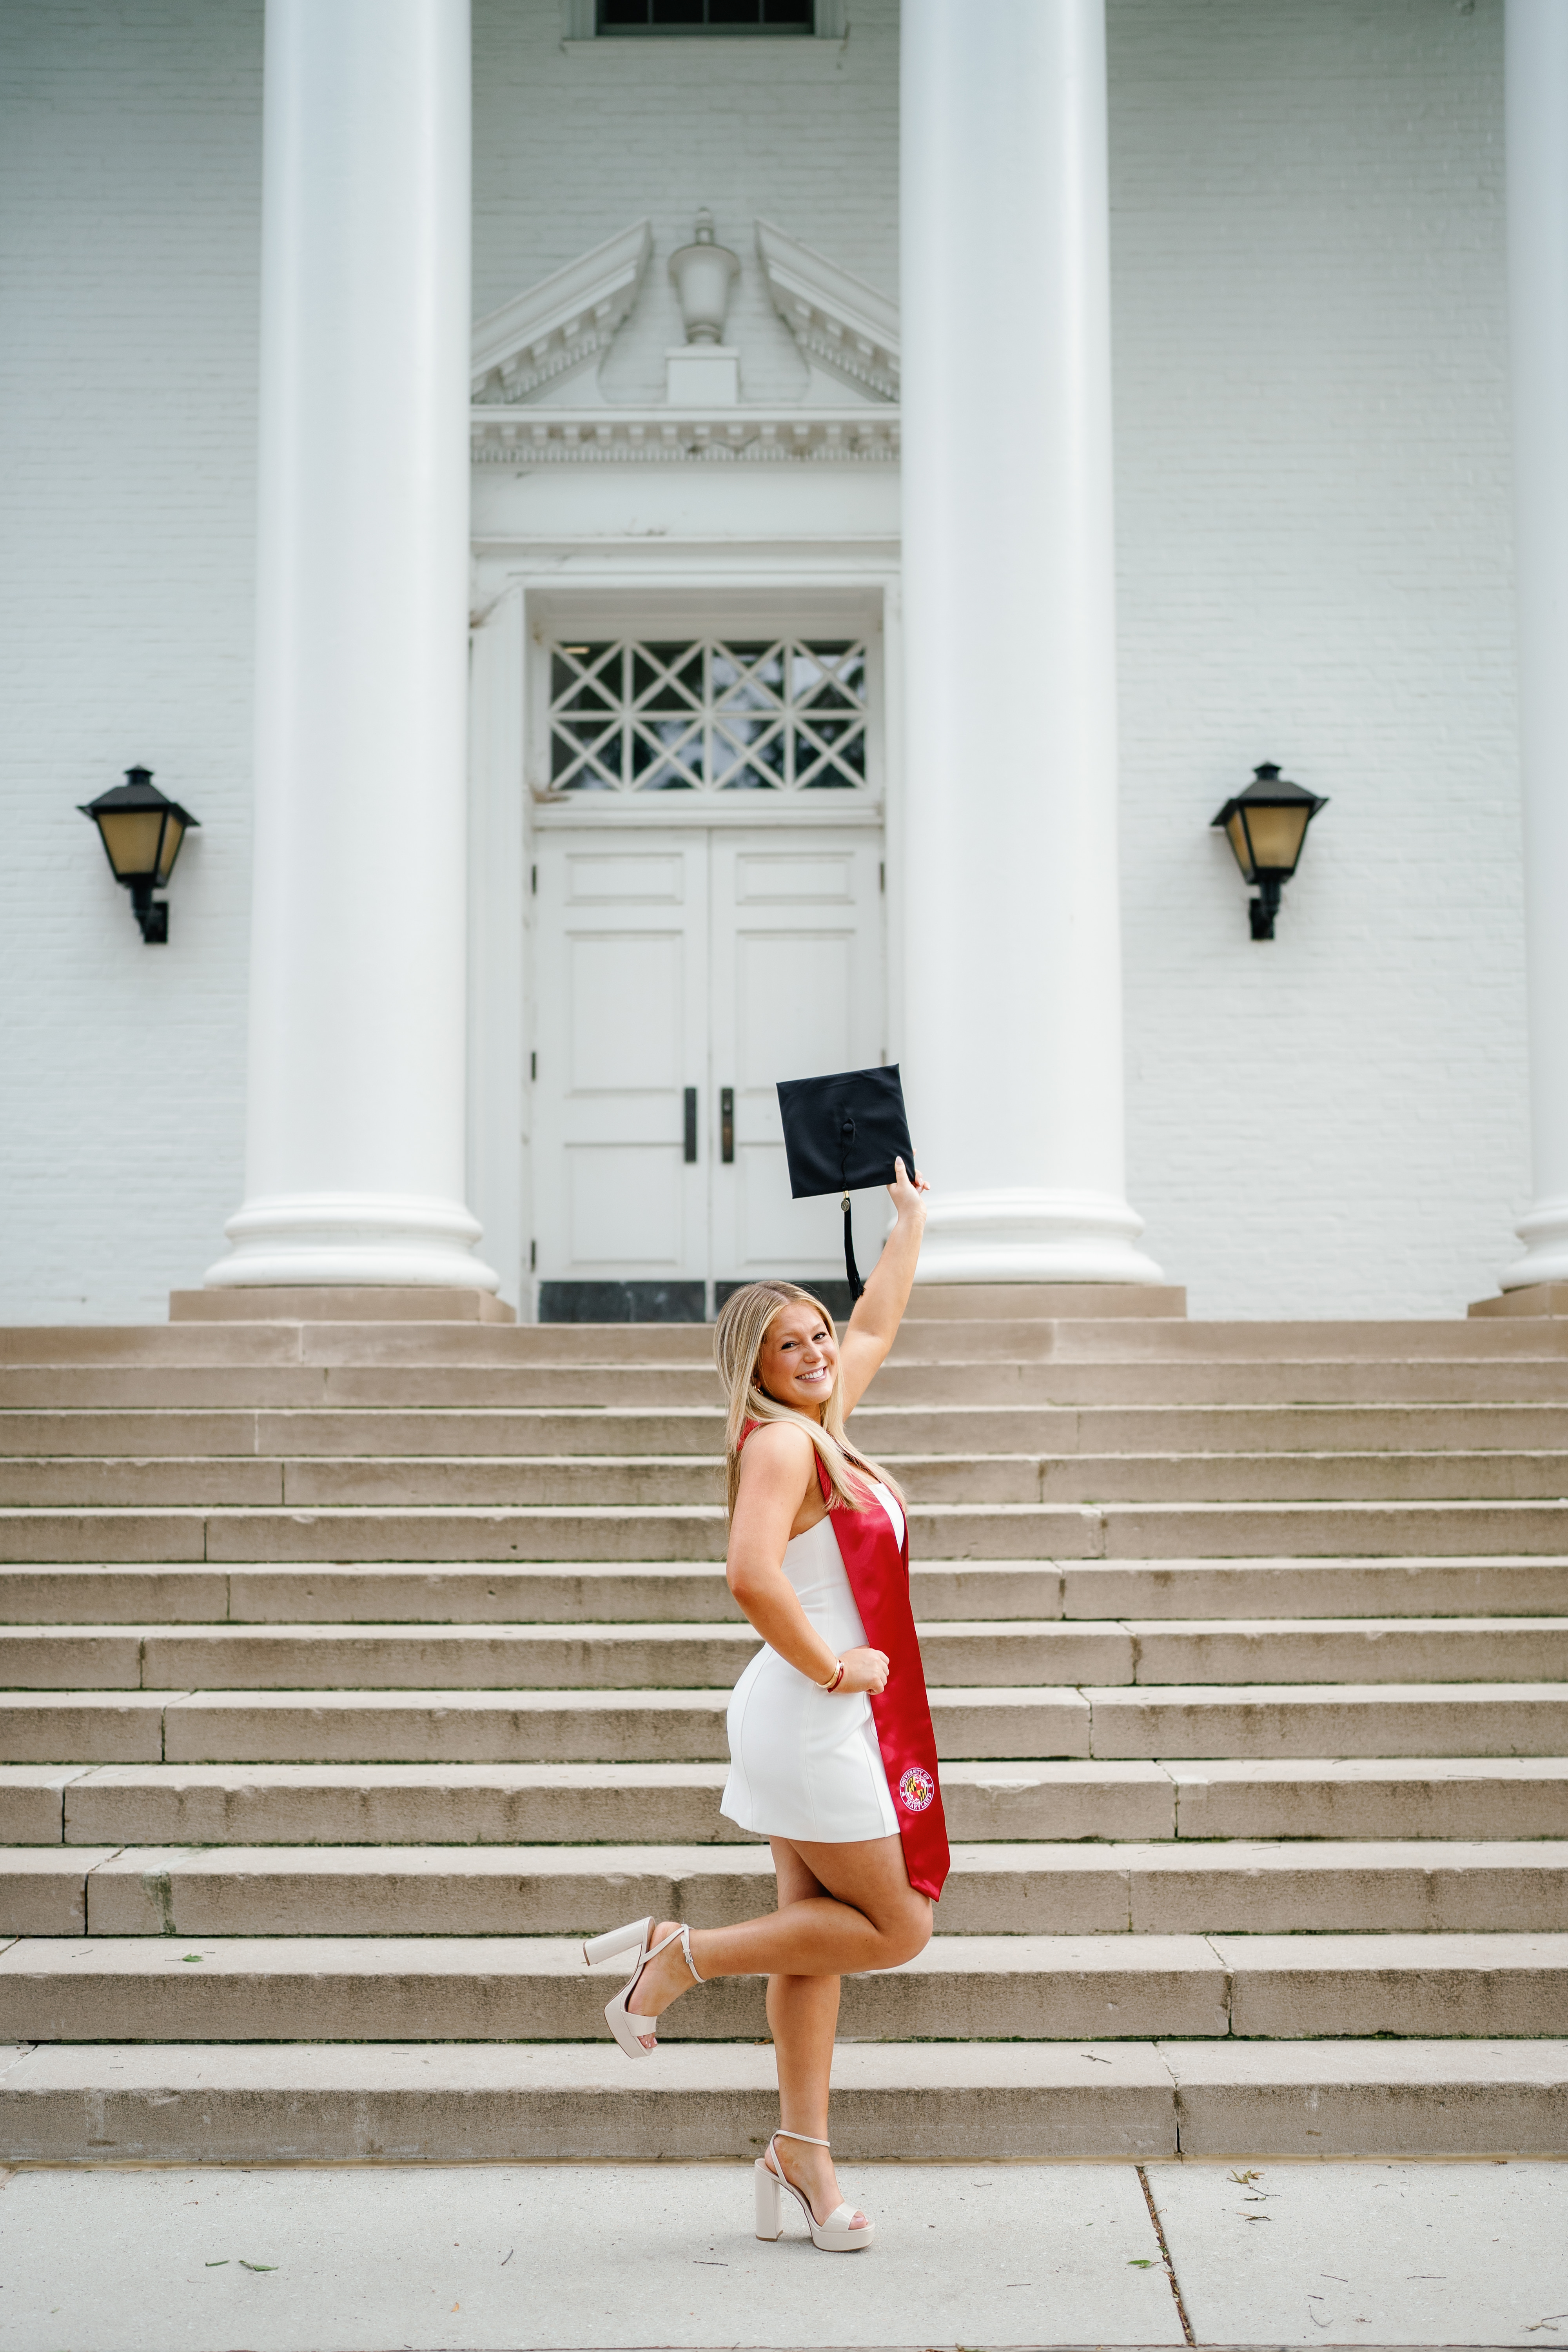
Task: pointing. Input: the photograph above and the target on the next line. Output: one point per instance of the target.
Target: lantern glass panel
(1276, 835)
(173, 834)
(1236, 833)
(131, 838)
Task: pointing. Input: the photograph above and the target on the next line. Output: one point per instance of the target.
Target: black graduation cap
(842, 1134)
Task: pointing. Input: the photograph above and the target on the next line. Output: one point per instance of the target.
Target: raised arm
(778, 1470)
(874, 1326)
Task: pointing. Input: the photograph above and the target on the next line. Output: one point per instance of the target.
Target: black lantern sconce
(141, 830)
(1266, 827)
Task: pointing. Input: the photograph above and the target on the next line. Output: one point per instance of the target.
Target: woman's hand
(864, 1670)
(906, 1190)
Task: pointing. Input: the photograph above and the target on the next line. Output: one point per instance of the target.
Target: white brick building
(1313, 565)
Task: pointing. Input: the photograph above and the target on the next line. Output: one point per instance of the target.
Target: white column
(354, 1169)
(1537, 131)
(1012, 982)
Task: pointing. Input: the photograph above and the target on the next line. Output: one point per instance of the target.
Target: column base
(1533, 1298)
(1028, 1236)
(1544, 1233)
(353, 1241)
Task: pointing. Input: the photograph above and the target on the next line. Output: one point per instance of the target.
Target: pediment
(562, 324)
(538, 397)
(838, 322)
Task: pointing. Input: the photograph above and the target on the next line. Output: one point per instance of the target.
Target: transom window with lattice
(780, 714)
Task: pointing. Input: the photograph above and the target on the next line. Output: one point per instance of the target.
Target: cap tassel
(856, 1285)
(846, 1137)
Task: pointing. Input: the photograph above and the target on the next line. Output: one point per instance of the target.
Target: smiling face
(797, 1362)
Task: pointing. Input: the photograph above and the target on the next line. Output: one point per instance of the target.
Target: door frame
(822, 585)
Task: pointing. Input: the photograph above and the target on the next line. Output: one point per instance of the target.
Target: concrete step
(1125, 1384)
(1466, 1381)
(986, 1653)
(1028, 1302)
(955, 1336)
(510, 1803)
(518, 1989)
(961, 1987)
(1258, 1588)
(423, 1343)
(953, 1340)
(1001, 1532)
(443, 2103)
(663, 1592)
(365, 1805)
(1244, 1888)
(1267, 1721)
(144, 1433)
(475, 1726)
(636, 1482)
(1415, 1798)
(1350, 1650)
(459, 1726)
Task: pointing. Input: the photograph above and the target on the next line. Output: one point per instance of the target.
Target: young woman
(818, 1560)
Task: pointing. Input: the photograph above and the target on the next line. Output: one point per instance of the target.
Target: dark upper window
(705, 16)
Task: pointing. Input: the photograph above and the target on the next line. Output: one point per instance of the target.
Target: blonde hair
(738, 1336)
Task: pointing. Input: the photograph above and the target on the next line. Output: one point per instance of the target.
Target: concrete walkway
(371, 2259)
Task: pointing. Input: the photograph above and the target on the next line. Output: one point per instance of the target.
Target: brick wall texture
(1312, 496)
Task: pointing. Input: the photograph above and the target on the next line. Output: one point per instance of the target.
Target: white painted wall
(1312, 457)
(574, 141)
(1313, 481)
(130, 163)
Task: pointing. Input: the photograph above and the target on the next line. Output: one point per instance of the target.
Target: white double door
(679, 974)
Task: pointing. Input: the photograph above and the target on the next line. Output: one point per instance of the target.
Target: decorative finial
(702, 274)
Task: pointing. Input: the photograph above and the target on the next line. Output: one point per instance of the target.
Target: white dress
(801, 1764)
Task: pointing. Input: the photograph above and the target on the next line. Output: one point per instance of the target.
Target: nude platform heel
(626, 2027)
(833, 2236)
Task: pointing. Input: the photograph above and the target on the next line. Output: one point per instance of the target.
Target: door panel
(705, 960)
(797, 966)
(622, 986)
(626, 995)
(625, 1206)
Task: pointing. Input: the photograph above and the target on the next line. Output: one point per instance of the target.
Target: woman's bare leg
(869, 1917)
(842, 1909)
(803, 2013)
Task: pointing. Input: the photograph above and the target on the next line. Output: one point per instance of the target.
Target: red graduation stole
(879, 1572)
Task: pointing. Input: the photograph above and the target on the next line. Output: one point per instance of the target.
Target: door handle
(727, 1125)
(691, 1126)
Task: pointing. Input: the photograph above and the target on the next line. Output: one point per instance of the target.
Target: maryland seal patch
(916, 1790)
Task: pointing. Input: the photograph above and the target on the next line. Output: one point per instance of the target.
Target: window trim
(580, 23)
(717, 720)
(668, 610)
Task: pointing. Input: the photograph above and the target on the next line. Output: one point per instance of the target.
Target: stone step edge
(686, 1859)
(64, 1890)
(507, 1988)
(732, 1629)
(713, 1514)
(410, 2103)
(404, 1458)
(1226, 1952)
(709, 1696)
(64, 1807)
(1045, 1563)
(1175, 1772)
(994, 1534)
